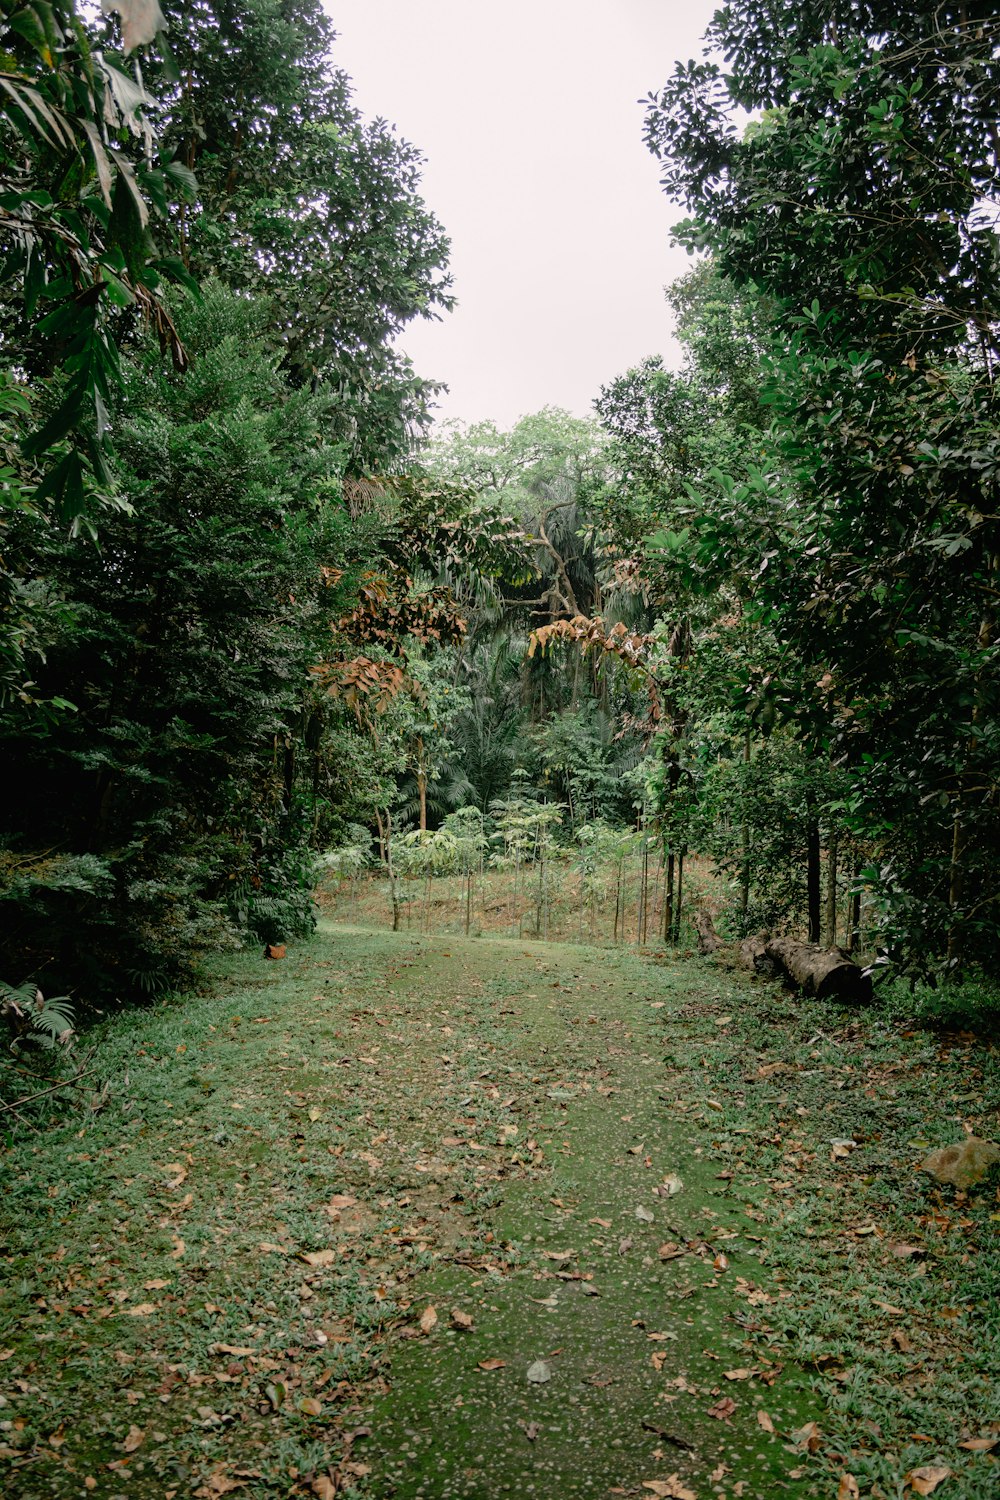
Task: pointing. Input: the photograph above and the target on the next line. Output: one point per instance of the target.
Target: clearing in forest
(403, 1216)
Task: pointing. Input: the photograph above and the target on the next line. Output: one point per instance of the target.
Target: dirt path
(408, 1217)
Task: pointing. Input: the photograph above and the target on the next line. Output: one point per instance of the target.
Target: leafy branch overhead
(83, 184)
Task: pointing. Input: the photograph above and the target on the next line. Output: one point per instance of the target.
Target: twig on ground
(64, 1083)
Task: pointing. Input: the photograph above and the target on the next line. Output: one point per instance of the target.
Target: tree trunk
(831, 890)
(422, 784)
(828, 976)
(745, 848)
(813, 876)
(393, 888)
(708, 939)
(680, 895)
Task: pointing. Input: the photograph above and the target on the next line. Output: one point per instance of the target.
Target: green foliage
(184, 643)
(36, 1020)
(81, 191)
(860, 540)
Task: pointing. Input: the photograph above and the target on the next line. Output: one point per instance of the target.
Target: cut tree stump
(709, 940)
(827, 974)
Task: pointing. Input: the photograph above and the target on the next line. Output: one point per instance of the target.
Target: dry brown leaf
(271, 1249)
(179, 1247)
(764, 1421)
(461, 1319)
(491, 1364)
(848, 1488)
(156, 1285)
(141, 1310)
(310, 1407)
(806, 1439)
(428, 1319)
(739, 1374)
(670, 1488)
(218, 1483)
(723, 1409)
(980, 1445)
(342, 1200)
(318, 1257)
(134, 1439)
(925, 1480)
(324, 1488)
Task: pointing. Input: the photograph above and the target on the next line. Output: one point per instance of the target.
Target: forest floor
(421, 1217)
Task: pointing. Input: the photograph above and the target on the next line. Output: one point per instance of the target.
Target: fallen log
(753, 954)
(826, 974)
(708, 939)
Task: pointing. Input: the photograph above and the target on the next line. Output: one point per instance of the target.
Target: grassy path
(326, 1219)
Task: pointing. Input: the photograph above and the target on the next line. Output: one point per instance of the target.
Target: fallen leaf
(644, 1214)
(806, 1439)
(428, 1319)
(739, 1374)
(723, 1410)
(324, 1488)
(310, 1407)
(318, 1257)
(134, 1439)
(980, 1445)
(491, 1364)
(269, 1249)
(217, 1483)
(179, 1247)
(156, 1285)
(141, 1310)
(461, 1319)
(342, 1200)
(925, 1480)
(764, 1421)
(539, 1372)
(848, 1488)
(670, 1488)
(670, 1186)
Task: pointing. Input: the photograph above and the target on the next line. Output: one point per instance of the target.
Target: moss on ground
(214, 1280)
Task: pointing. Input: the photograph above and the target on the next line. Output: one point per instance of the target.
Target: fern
(34, 1020)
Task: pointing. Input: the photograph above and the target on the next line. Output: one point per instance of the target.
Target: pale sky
(527, 114)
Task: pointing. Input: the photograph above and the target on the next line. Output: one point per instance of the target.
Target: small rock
(963, 1164)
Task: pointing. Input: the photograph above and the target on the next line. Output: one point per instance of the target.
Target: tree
(170, 809)
(303, 203)
(854, 202)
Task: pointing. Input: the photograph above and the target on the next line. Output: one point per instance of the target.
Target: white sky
(527, 114)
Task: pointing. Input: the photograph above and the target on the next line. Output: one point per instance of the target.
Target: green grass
(487, 1106)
